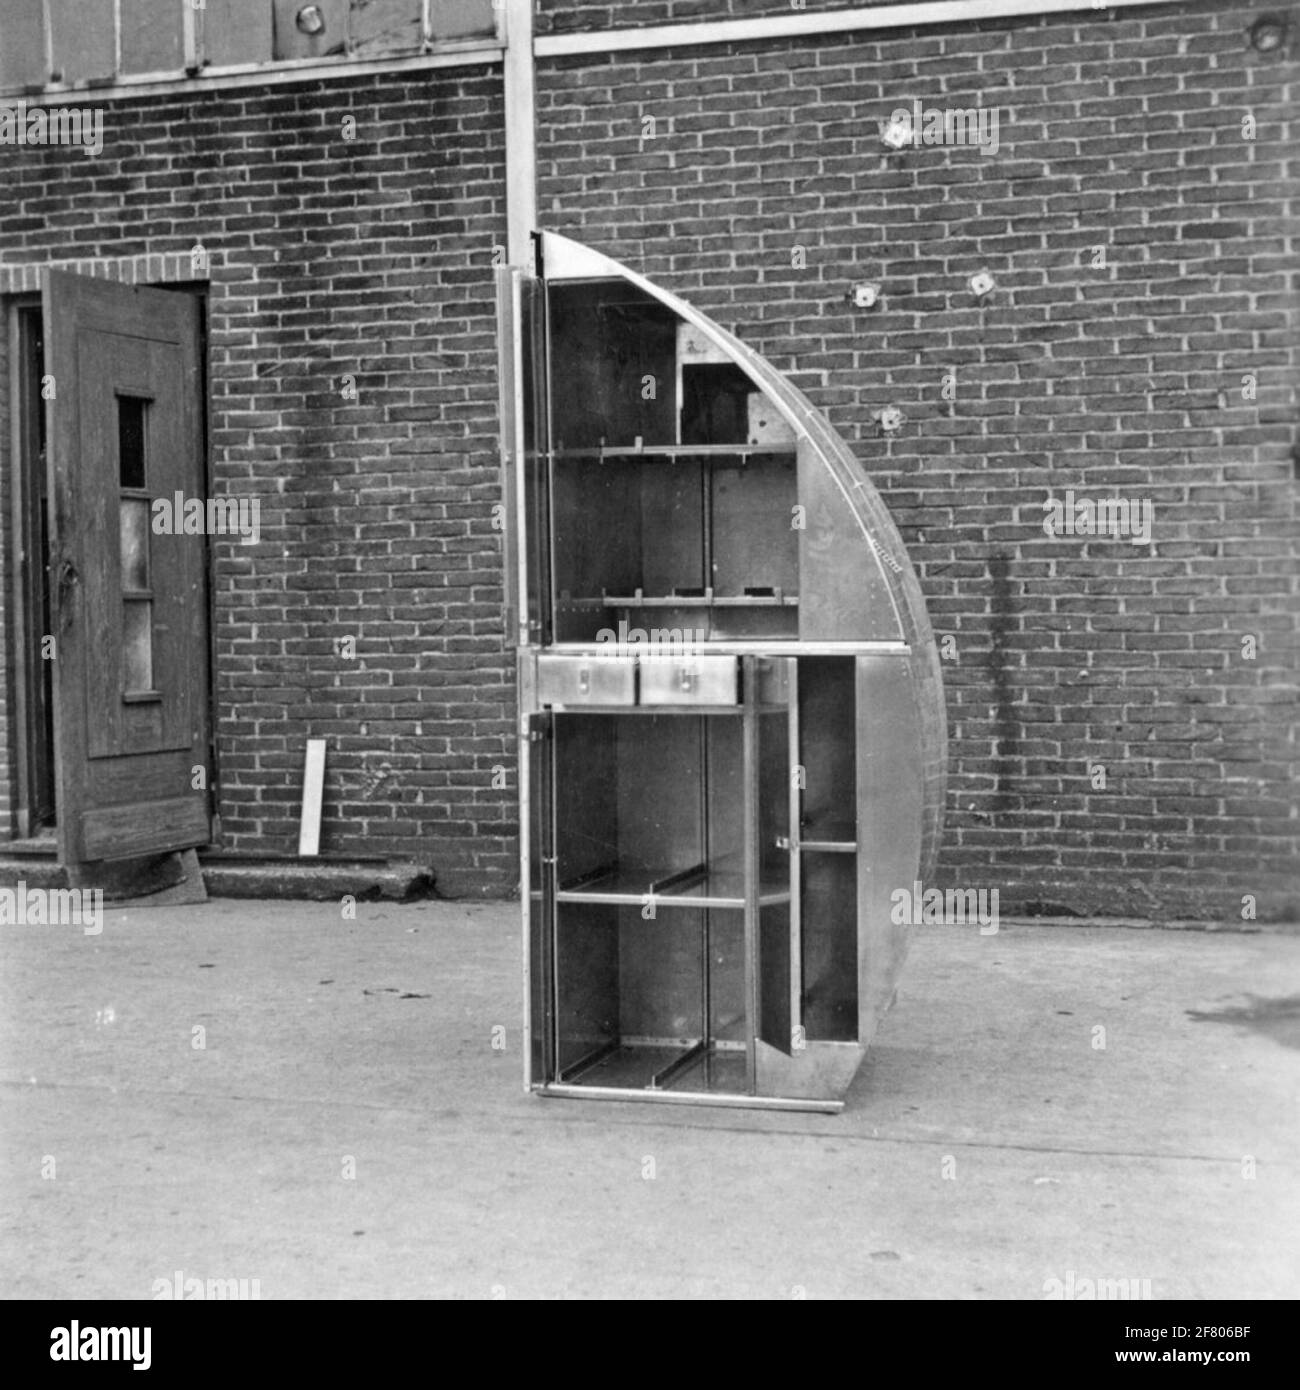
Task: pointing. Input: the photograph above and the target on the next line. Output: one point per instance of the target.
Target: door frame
(31, 745)
(21, 595)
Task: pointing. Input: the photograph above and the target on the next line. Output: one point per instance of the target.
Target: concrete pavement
(348, 1130)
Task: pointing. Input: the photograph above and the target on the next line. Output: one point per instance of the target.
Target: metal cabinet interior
(732, 727)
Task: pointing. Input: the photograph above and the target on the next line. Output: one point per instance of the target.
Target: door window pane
(130, 441)
(133, 545)
(133, 521)
(137, 645)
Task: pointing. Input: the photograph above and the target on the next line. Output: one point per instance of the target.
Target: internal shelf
(695, 886)
(661, 1064)
(755, 597)
(829, 836)
(670, 452)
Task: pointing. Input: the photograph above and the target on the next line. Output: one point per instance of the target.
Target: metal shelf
(708, 599)
(660, 1064)
(674, 711)
(829, 837)
(696, 886)
(671, 452)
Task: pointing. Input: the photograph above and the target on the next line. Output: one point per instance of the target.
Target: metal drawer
(586, 680)
(689, 680)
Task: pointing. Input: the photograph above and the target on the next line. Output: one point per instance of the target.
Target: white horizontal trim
(257, 75)
(729, 1099)
(807, 22)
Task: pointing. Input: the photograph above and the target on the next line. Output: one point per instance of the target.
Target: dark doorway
(34, 677)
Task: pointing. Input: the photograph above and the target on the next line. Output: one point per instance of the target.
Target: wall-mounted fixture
(890, 419)
(1268, 33)
(310, 31)
(981, 284)
(897, 132)
(866, 295)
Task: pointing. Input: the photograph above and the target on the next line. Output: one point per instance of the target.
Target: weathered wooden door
(129, 605)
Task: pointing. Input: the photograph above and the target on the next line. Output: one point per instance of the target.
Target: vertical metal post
(23, 562)
(795, 776)
(706, 858)
(523, 730)
(49, 40)
(750, 858)
(521, 151)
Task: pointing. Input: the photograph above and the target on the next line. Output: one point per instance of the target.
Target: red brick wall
(1121, 130)
(371, 259)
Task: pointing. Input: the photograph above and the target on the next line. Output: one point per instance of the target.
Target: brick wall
(1069, 658)
(1115, 747)
(367, 258)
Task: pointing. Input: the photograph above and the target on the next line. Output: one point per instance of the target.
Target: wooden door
(129, 605)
